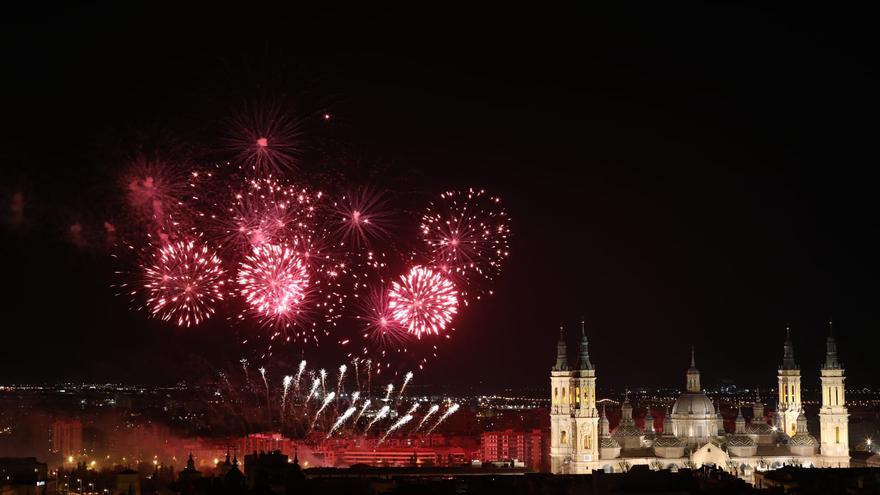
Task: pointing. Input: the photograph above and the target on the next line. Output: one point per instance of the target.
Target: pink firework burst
(154, 189)
(265, 211)
(380, 325)
(273, 281)
(466, 233)
(184, 281)
(362, 216)
(423, 301)
(266, 138)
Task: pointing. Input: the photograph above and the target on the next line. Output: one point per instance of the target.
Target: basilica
(692, 432)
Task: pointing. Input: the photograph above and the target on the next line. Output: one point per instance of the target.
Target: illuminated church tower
(789, 403)
(560, 417)
(586, 416)
(574, 419)
(833, 416)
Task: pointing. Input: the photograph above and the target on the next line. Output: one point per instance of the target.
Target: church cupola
(693, 375)
(583, 352)
(788, 352)
(831, 361)
(561, 352)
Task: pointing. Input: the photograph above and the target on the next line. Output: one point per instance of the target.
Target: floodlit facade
(693, 433)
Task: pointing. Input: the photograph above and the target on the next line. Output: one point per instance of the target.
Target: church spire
(693, 375)
(584, 354)
(831, 362)
(788, 352)
(561, 352)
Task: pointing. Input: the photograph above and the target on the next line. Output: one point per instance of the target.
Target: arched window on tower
(563, 438)
(577, 391)
(555, 394)
(588, 440)
(836, 434)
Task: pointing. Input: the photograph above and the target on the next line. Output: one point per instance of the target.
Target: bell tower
(693, 376)
(789, 402)
(833, 416)
(561, 401)
(586, 416)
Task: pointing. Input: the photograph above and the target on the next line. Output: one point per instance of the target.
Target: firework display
(273, 280)
(291, 258)
(466, 234)
(184, 281)
(274, 403)
(423, 301)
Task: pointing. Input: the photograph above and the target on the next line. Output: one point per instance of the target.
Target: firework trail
(449, 412)
(400, 422)
(327, 400)
(406, 379)
(225, 379)
(354, 397)
(342, 369)
(340, 420)
(357, 375)
(413, 408)
(286, 384)
(302, 367)
(379, 416)
(370, 377)
(184, 281)
(427, 415)
(388, 391)
(323, 381)
(361, 413)
(315, 383)
(262, 371)
(266, 383)
(247, 377)
(423, 301)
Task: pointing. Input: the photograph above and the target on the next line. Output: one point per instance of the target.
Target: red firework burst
(467, 234)
(265, 138)
(362, 216)
(423, 301)
(273, 280)
(184, 281)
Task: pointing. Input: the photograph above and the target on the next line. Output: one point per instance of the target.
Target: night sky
(700, 176)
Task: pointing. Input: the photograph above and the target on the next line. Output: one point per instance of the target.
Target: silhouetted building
(803, 481)
(272, 473)
(234, 481)
(23, 476)
(128, 482)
